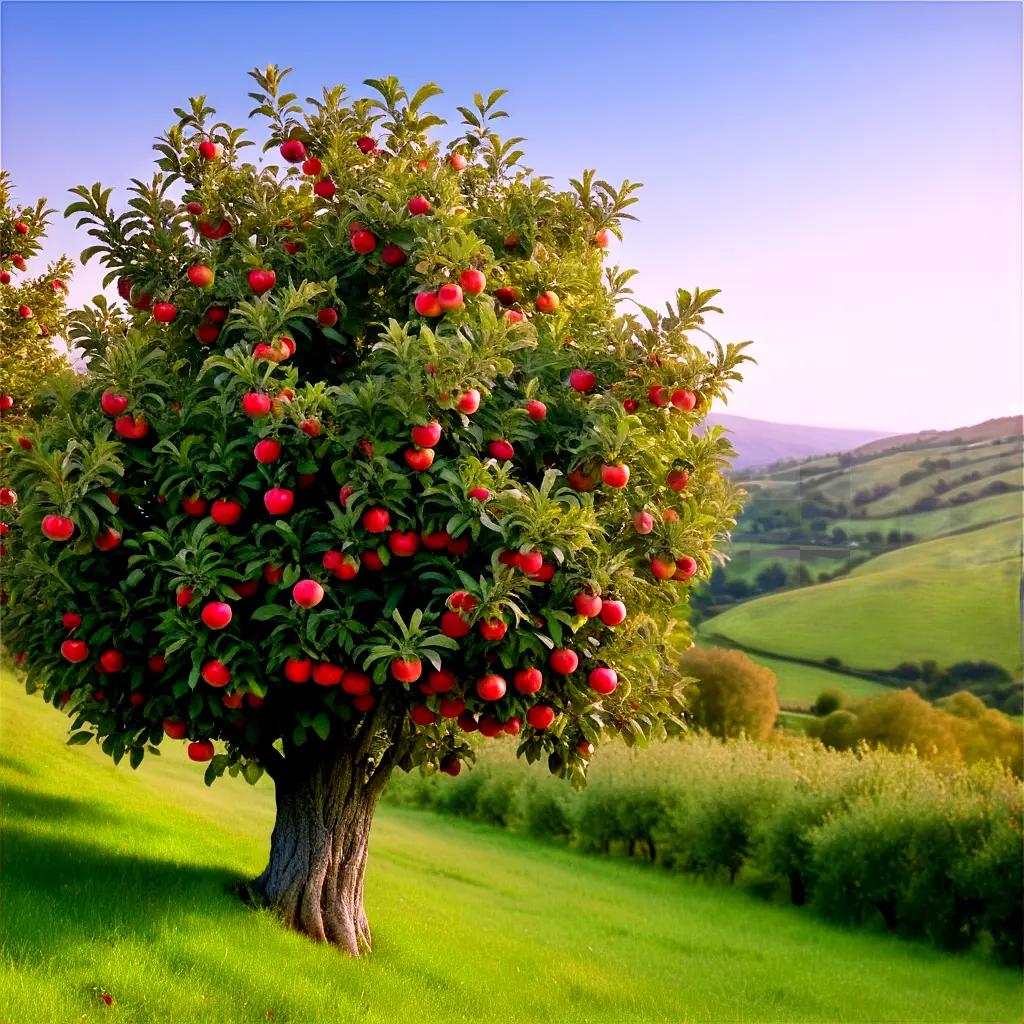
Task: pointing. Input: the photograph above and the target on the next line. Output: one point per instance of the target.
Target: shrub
(732, 694)
(827, 702)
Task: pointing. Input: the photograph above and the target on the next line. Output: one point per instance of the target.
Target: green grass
(952, 599)
(799, 685)
(114, 881)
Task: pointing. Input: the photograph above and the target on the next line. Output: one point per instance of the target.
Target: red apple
(403, 545)
(686, 568)
(183, 598)
(71, 620)
(326, 674)
(658, 395)
(588, 605)
(307, 593)
(327, 317)
(74, 651)
(164, 312)
(564, 661)
(376, 520)
(536, 410)
(312, 167)
(326, 189)
(603, 680)
(216, 614)
(677, 479)
(427, 304)
(528, 680)
(225, 512)
(615, 475)
(200, 750)
(216, 673)
(602, 238)
(393, 255)
(267, 451)
(175, 729)
(261, 279)
(256, 404)
(113, 405)
(547, 302)
(582, 380)
(57, 528)
(293, 151)
(418, 206)
(540, 716)
(194, 506)
(457, 160)
(473, 281)
(200, 275)
(683, 399)
(643, 522)
(406, 671)
(107, 539)
(468, 402)
(422, 715)
(209, 150)
(491, 687)
(663, 568)
(207, 334)
(449, 297)
(156, 663)
(419, 459)
(279, 500)
(366, 144)
(613, 613)
(363, 242)
(428, 435)
(356, 684)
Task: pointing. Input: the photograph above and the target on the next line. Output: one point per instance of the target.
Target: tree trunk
(326, 797)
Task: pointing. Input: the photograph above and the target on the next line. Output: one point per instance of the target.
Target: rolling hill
(876, 556)
(949, 600)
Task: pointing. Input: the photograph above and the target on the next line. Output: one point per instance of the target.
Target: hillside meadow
(114, 884)
(950, 600)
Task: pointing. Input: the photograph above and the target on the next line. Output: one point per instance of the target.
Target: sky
(848, 174)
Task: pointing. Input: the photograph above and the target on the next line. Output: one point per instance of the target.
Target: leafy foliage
(32, 309)
(309, 306)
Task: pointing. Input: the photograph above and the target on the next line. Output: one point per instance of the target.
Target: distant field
(114, 882)
(748, 558)
(951, 599)
(939, 521)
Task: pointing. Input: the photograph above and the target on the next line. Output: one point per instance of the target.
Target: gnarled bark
(326, 798)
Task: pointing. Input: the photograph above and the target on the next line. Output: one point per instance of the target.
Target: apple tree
(32, 309)
(377, 459)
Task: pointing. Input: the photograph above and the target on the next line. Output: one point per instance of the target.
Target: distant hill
(761, 442)
(1004, 426)
(905, 550)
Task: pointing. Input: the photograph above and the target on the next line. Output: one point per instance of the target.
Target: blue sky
(848, 174)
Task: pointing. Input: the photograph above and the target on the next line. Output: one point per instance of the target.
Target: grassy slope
(114, 880)
(950, 599)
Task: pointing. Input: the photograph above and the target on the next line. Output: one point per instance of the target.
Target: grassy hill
(953, 599)
(900, 552)
(114, 883)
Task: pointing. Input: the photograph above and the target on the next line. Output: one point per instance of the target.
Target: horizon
(857, 173)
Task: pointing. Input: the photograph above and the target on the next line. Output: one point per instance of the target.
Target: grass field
(951, 599)
(114, 882)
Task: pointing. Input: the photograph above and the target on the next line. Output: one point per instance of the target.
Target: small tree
(31, 308)
(732, 695)
(376, 457)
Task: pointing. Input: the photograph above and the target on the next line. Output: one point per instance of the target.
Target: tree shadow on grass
(62, 891)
